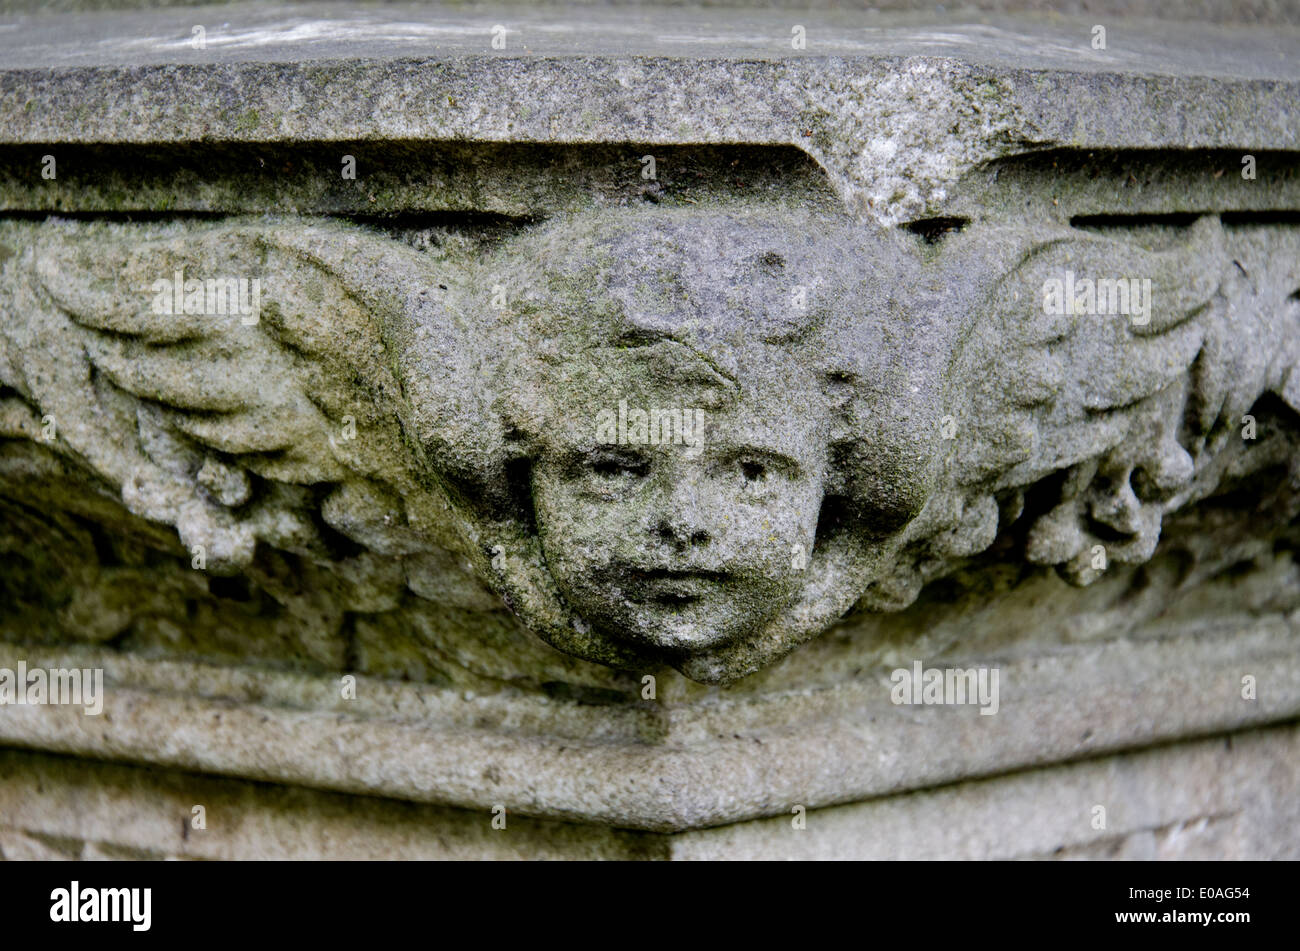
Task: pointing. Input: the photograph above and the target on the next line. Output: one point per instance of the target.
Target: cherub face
(787, 336)
(685, 544)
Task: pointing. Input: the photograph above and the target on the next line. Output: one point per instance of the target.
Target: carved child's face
(676, 513)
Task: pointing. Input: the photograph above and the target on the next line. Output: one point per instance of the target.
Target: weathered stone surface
(895, 110)
(394, 522)
(1214, 799)
(594, 415)
(1210, 799)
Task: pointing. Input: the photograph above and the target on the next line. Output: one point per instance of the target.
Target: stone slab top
(894, 107)
(246, 33)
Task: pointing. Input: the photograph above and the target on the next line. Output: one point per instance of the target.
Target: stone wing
(1116, 378)
(239, 381)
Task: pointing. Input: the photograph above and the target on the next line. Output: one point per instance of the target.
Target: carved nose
(680, 535)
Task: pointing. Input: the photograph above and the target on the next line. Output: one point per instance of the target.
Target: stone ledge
(662, 767)
(1234, 796)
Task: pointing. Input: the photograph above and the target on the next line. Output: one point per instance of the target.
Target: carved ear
(884, 350)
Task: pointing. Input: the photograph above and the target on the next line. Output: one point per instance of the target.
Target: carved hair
(728, 298)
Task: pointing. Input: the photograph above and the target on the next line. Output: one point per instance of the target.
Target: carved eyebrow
(787, 465)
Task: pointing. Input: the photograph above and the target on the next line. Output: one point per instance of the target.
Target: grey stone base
(1229, 797)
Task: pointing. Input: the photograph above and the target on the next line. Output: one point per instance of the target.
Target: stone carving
(693, 436)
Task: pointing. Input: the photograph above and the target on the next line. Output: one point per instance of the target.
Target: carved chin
(686, 629)
(670, 617)
(677, 623)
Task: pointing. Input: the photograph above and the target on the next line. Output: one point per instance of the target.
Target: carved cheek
(581, 533)
(764, 534)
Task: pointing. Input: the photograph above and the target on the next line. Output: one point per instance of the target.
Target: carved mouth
(654, 574)
(671, 599)
(674, 588)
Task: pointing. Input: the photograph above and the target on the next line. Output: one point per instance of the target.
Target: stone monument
(626, 432)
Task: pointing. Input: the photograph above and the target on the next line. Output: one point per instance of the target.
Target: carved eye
(617, 468)
(610, 469)
(755, 471)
